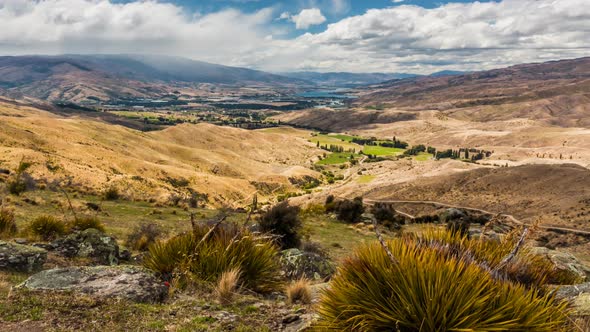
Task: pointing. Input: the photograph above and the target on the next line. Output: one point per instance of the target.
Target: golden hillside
(226, 163)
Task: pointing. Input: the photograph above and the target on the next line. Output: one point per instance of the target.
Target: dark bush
(350, 210)
(143, 236)
(383, 212)
(460, 226)
(330, 204)
(112, 194)
(283, 220)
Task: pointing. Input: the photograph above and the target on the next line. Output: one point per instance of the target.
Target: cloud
(397, 1)
(307, 18)
(408, 38)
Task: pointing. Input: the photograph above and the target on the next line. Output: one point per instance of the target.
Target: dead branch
(383, 244)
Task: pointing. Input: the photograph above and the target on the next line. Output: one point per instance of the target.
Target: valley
(164, 164)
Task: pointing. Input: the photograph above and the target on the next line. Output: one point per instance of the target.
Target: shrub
(86, 222)
(22, 180)
(330, 204)
(227, 285)
(350, 211)
(112, 194)
(7, 223)
(433, 288)
(383, 212)
(459, 226)
(283, 220)
(47, 227)
(143, 236)
(299, 292)
(226, 248)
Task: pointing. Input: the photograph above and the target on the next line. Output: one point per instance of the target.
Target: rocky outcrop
(565, 261)
(21, 258)
(125, 281)
(90, 243)
(298, 264)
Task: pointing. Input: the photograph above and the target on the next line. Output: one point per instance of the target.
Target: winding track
(508, 216)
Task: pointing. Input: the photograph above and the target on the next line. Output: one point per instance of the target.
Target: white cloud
(307, 18)
(285, 16)
(462, 36)
(397, 1)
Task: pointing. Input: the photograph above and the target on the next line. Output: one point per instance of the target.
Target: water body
(333, 94)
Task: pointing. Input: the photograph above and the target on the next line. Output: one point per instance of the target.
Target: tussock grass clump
(299, 291)
(193, 256)
(47, 227)
(7, 223)
(86, 222)
(227, 285)
(435, 286)
(143, 236)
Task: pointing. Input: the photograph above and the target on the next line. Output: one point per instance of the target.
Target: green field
(335, 140)
(343, 137)
(381, 151)
(337, 158)
(367, 178)
(423, 156)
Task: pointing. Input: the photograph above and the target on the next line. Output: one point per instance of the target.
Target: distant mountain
(557, 92)
(447, 73)
(343, 79)
(77, 77)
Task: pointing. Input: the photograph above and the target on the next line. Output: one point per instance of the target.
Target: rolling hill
(227, 164)
(78, 77)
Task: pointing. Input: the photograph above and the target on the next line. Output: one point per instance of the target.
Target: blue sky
(415, 36)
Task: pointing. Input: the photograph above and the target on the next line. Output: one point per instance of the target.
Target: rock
(90, 243)
(291, 318)
(22, 258)
(303, 323)
(21, 241)
(564, 261)
(125, 281)
(298, 264)
(577, 295)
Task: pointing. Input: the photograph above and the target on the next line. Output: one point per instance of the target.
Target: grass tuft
(299, 292)
(186, 256)
(434, 287)
(227, 286)
(86, 222)
(7, 223)
(47, 227)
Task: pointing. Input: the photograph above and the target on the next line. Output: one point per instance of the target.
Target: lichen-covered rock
(22, 258)
(125, 281)
(90, 243)
(565, 261)
(578, 295)
(298, 264)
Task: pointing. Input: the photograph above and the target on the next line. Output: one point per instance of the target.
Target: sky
(411, 36)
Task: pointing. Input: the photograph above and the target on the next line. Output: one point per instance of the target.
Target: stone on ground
(125, 281)
(21, 258)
